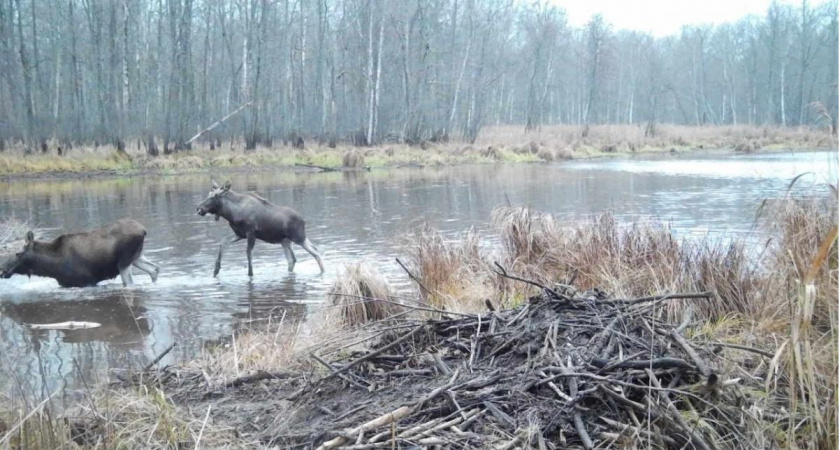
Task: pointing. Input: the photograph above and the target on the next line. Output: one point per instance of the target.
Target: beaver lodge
(566, 369)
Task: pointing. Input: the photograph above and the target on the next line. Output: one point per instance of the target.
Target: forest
(91, 72)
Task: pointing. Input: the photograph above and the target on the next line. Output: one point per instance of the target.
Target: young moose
(252, 217)
(86, 258)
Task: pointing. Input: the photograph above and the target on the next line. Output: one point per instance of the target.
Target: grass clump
(353, 159)
(141, 418)
(452, 272)
(360, 294)
(630, 261)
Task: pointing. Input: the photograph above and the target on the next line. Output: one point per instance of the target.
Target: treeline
(105, 71)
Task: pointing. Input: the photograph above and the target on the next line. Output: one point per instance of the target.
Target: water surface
(350, 216)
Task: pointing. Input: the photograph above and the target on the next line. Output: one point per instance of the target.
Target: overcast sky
(665, 17)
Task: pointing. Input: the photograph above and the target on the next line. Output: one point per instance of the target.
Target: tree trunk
(29, 137)
(370, 80)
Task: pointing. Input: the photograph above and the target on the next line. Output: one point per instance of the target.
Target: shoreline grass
(783, 303)
(496, 144)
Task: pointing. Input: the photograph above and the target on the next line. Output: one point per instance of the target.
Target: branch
(505, 274)
(218, 122)
(158, 358)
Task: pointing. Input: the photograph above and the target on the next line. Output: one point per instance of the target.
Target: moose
(252, 217)
(85, 258)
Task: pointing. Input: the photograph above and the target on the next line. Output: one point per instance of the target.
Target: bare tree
(90, 72)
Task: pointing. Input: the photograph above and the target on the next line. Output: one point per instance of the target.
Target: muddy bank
(496, 145)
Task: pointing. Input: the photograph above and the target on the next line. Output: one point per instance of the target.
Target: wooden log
(576, 418)
(158, 358)
(658, 363)
(711, 376)
(322, 168)
(380, 421)
(257, 376)
(65, 326)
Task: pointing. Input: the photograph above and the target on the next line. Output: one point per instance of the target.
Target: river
(350, 216)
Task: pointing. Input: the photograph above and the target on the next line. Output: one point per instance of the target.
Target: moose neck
(231, 205)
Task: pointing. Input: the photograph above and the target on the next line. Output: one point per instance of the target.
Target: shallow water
(350, 216)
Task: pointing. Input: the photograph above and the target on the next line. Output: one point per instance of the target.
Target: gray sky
(665, 17)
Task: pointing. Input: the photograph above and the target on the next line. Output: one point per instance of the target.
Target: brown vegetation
(360, 295)
(495, 144)
(353, 159)
(768, 332)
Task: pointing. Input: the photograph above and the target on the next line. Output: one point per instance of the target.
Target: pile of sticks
(566, 370)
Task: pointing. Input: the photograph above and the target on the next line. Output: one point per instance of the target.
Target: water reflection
(350, 216)
(121, 317)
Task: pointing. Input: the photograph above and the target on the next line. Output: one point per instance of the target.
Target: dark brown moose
(85, 258)
(252, 217)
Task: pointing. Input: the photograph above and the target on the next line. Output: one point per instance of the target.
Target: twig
(499, 414)
(203, 425)
(745, 348)
(333, 369)
(658, 363)
(512, 443)
(415, 433)
(577, 419)
(711, 376)
(157, 359)
(257, 376)
(416, 280)
(656, 298)
(218, 122)
(600, 340)
(438, 391)
(503, 272)
(675, 414)
(374, 353)
(689, 312)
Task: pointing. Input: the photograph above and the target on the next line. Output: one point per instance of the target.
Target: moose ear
(226, 187)
(30, 237)
(215, 185)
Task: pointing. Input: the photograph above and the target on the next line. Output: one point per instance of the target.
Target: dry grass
(495, 144)
(452, 271)
(360, 295)
(627, 261)
(622, 139)
(125, 419)
(353, 159)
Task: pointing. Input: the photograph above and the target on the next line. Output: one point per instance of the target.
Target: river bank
(770, 327)
(502, 144)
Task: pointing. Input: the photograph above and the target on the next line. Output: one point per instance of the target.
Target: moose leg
(311, 249)
(125, 274)
(252, 239)
(290, 255)
(147, 266)
(225, 242)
